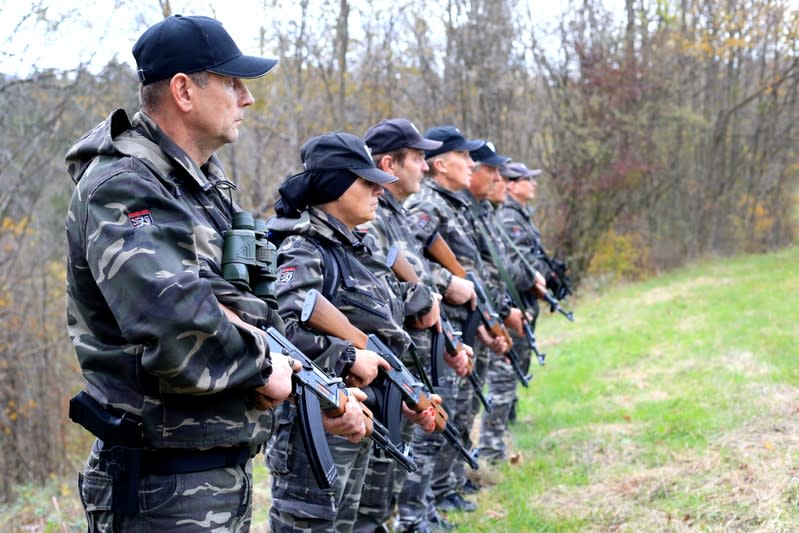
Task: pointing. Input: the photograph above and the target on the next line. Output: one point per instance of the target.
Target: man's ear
(387, 164)
(182, 88)
(440, 165)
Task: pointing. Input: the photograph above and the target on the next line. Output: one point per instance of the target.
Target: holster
(121, 442)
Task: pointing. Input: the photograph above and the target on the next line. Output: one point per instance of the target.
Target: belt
(165, 461)
(183, 461)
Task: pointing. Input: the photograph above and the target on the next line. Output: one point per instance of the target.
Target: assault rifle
(321, 315)
(440, 252)
(554, 283)
(448, 340)
(492, 322)
(329, 395)
(554, 305)
(559, 282)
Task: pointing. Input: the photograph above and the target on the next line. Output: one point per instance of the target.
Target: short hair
(397, 155)
(150, 95)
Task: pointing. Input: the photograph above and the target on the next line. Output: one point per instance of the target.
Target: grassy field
(670, 405)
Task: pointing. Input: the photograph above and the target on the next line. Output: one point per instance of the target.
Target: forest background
(665, 129)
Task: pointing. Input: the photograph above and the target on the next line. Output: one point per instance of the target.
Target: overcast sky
(96, 31)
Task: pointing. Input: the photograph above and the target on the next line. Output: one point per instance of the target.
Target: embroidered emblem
(422, 220)
(140, 218)
(286, 275)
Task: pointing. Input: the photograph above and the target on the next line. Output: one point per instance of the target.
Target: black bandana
(312, 187)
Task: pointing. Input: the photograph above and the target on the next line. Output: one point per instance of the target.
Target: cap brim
(533, 173)
(495, 161)
(468, 146)
(426, 144)
(375, 175)
(510, 174)
(246, 67)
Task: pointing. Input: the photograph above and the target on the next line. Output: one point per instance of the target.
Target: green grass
(669, 405)
(656, 402)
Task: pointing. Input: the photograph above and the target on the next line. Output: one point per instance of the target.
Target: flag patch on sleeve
(140, 218)
(286, 275)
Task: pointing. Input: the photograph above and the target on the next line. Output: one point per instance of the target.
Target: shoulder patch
(285, 274)
(423, 219)
(140, 218)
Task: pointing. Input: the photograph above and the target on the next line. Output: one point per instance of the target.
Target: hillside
(669, 405)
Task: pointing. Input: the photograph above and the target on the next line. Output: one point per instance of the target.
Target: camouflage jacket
(480, 217)
(516, 220)
(439, 210)
(366, 290)
(521, 276)
(391, 227)
(144, 250)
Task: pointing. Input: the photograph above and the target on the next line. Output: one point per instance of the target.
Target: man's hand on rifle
(425, 419)
(365, 368)
(514, 321)
(278, 387)
(461, 361)
(432, 317)
(496, 344)
(540, 286)
(460, 291)
(349, 425)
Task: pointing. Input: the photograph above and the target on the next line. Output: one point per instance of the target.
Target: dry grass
(746, 480)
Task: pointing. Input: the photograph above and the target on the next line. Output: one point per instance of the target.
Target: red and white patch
(140, 218)
(422, 220)
(286, 275)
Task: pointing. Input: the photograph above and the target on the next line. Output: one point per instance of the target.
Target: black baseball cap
(193, 44)
(451, 138)
(342, 151)
(515, 171)
(487, 155)
(396, 133)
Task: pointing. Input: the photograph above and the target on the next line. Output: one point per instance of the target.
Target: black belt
(165, 461)
(169, 461)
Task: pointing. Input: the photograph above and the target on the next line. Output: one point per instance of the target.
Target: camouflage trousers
(483, 357)
(415, 500)
(381, 486)
(449, 474)
(298, 504)
(213, 500)
(502, 385)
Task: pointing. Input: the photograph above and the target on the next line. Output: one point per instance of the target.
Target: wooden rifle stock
(320, 314)
(404, 271)
(441, 253)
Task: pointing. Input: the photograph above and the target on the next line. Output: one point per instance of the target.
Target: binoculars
(248, 258)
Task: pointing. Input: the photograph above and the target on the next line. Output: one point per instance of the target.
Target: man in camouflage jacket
(144, 235)
(439, 207)
(501, 378)
(398, 149)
